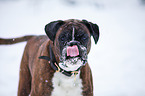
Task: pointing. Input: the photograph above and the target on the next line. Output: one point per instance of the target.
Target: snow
(46, 80)
(117, 61)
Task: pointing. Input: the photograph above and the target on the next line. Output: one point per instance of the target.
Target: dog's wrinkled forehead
(73, 28)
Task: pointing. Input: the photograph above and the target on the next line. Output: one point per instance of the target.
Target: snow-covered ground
(117, 61)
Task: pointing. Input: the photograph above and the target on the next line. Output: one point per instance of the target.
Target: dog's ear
(93, 28)
(52, 27)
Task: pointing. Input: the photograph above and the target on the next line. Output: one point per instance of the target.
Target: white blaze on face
(73, 34)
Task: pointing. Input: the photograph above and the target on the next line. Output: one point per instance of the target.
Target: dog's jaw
(75, 62)
(66, 86)
(68, 65)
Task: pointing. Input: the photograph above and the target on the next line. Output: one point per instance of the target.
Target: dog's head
(72, 41)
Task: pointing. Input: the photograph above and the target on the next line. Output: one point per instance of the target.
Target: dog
(56, 64)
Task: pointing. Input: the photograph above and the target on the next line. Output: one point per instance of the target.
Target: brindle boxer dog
(56, 64)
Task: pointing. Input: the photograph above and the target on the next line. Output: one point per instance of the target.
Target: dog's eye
(62, 38)
(84, 38)
(81, 37)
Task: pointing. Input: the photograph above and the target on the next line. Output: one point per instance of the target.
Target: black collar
(55, 66)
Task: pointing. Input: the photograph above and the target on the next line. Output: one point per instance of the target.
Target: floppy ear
(93, 28)
(52, 27)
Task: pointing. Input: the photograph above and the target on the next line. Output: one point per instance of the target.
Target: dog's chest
(66, 86)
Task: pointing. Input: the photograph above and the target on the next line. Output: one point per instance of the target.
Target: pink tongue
(72, 51)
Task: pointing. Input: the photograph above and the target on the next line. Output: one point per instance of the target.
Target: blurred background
(118, 59)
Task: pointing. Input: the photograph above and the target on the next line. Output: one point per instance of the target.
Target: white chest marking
(66, 86)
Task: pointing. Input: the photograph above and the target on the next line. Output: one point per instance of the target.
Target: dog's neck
(54, 52)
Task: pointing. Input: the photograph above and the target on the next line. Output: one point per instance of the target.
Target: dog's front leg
(25, 77)
(87, 81)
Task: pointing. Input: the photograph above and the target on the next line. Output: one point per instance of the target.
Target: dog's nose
(71, 43)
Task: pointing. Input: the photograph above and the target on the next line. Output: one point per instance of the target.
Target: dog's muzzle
(73, 56)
